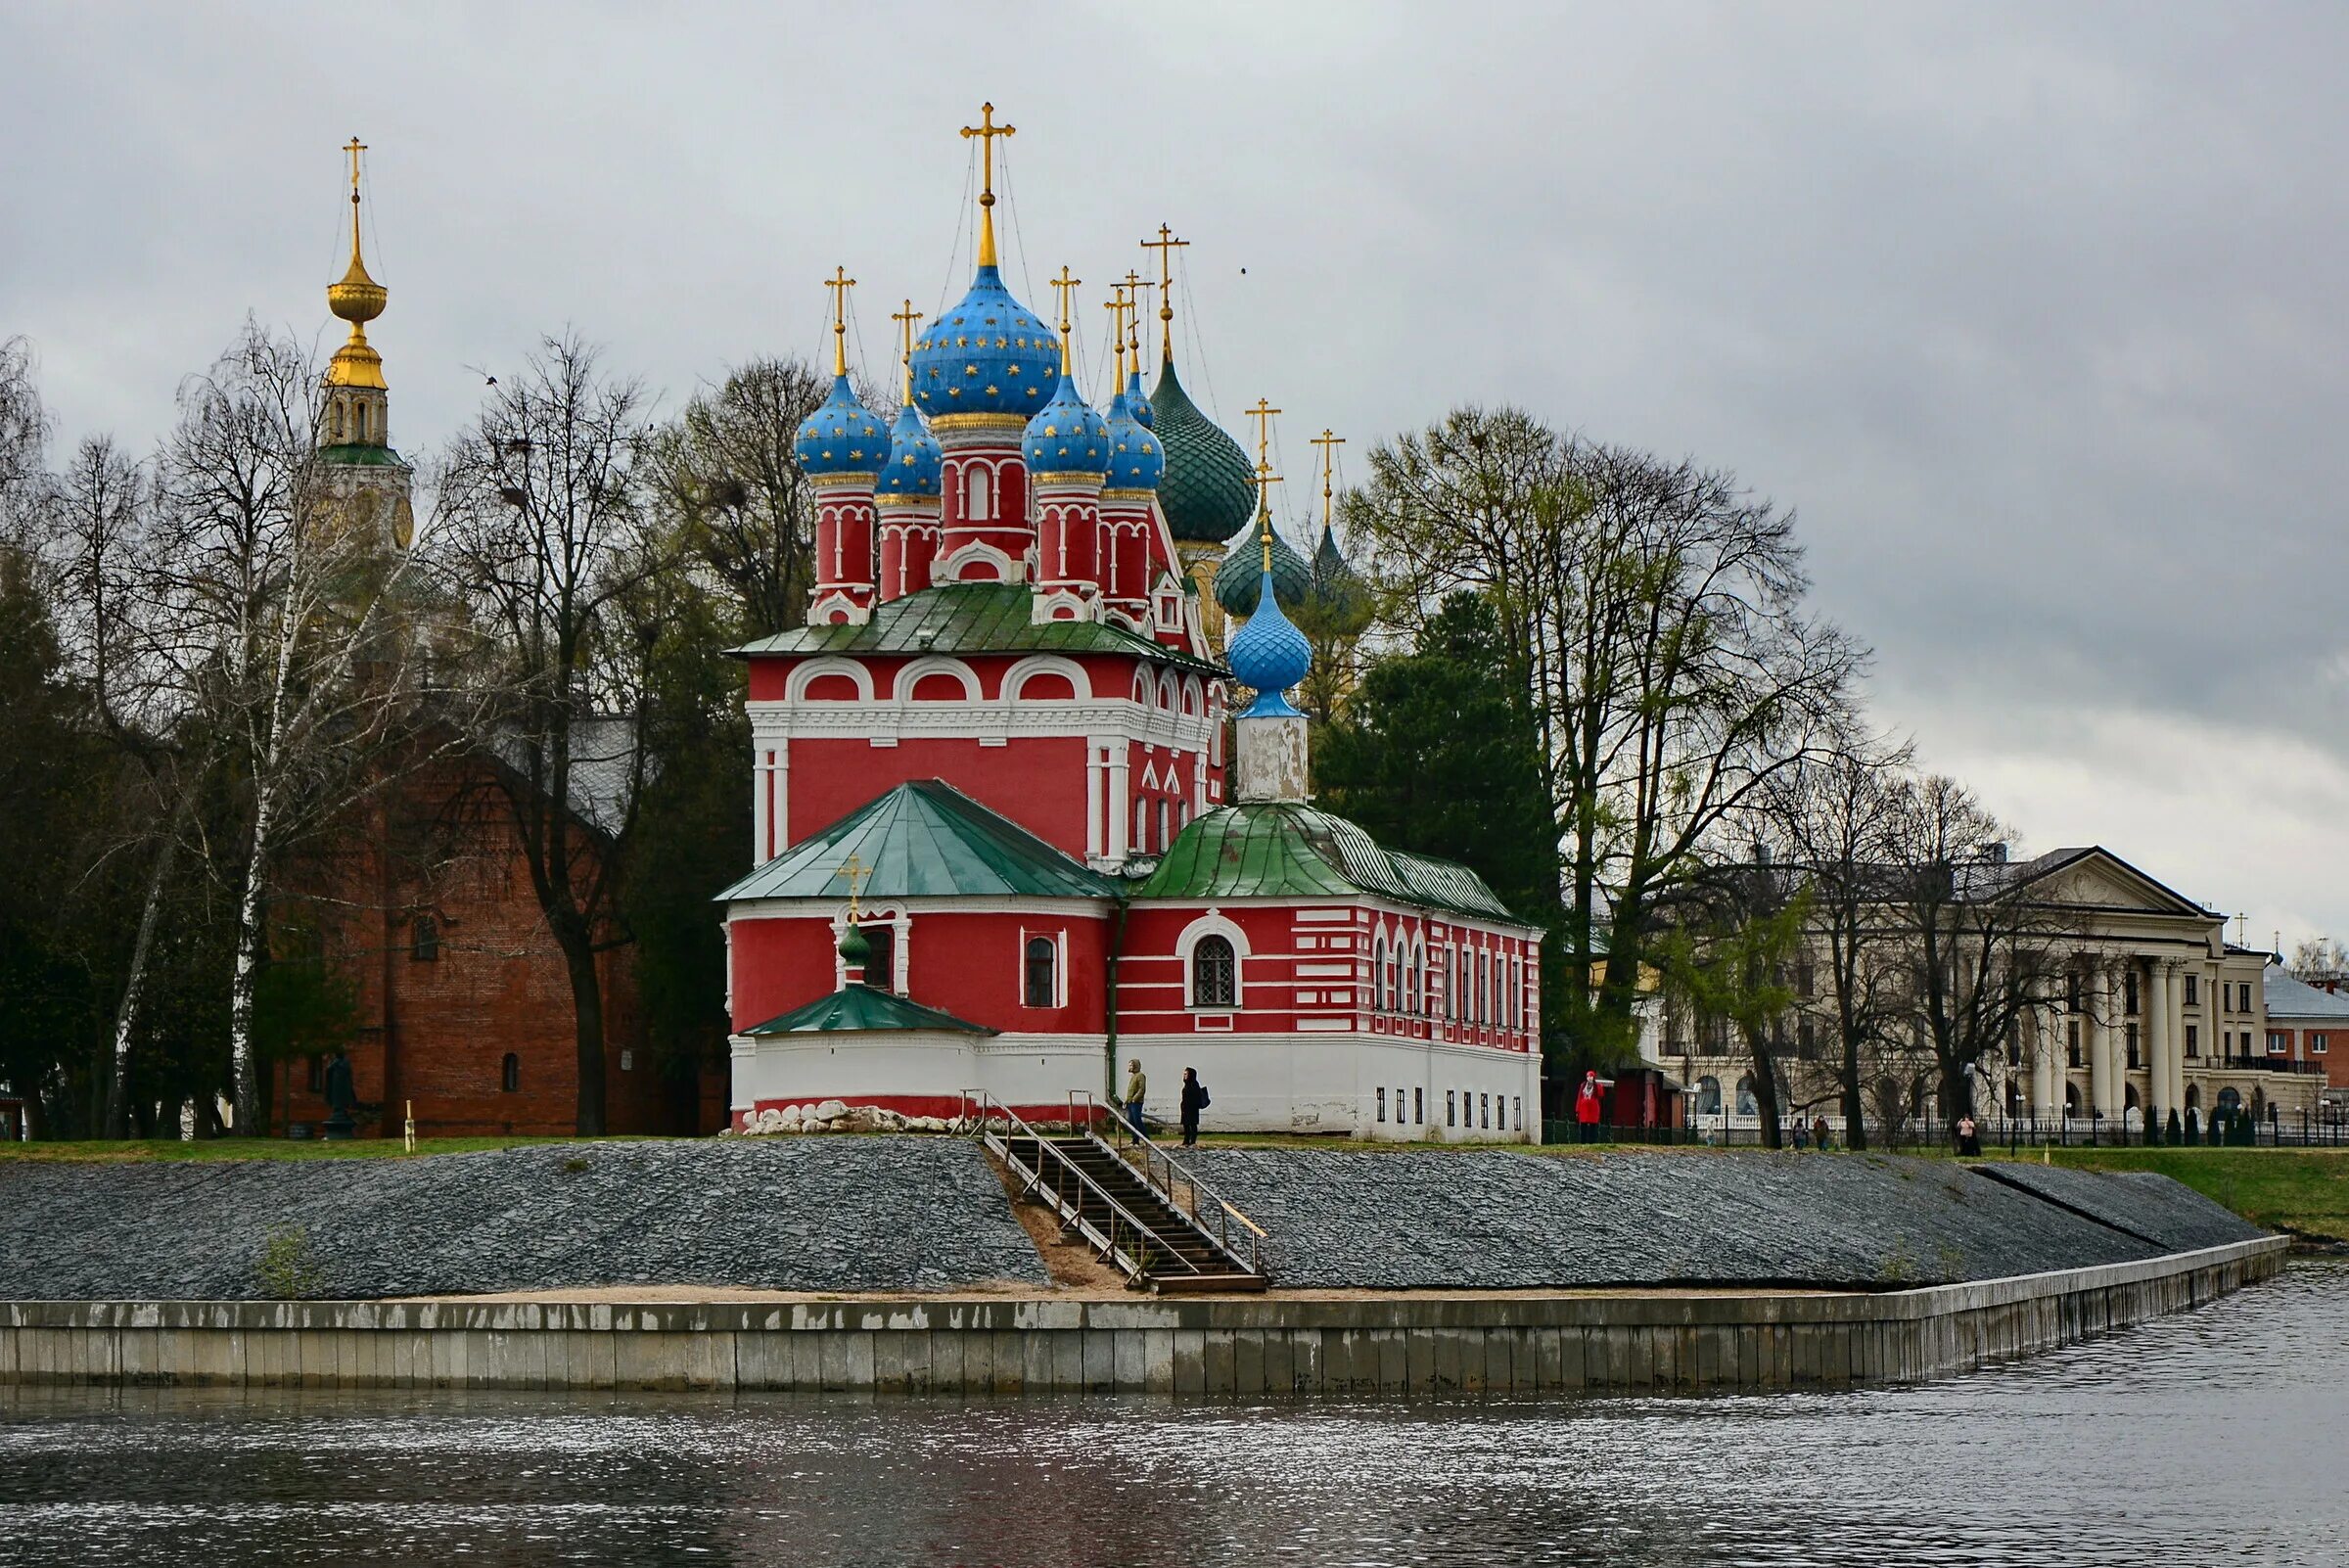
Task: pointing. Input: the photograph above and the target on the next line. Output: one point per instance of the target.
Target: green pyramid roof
(858, 1009)
(966, 618)
(1283, 850)
(924, 840)
(1210, 485)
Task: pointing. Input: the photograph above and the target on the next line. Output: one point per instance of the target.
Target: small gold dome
(358, 297)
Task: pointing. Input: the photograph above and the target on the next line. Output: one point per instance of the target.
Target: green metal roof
(860, 1009)
(1281, 849)
(965, 618)
(924, 840)
(361, 456)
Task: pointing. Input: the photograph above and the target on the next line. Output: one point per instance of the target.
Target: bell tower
(362, 476)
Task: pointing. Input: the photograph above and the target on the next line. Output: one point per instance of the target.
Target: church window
(1163, 837)
(424, 940)
(1517, 1111)
(1419, 1107)
(1484, 1112)
(1040, 980)
(1215, 973)
(880, 969)
(1141, 827)
(1378, 973)
(1411, 982)
(1451, 1107)
(1382, 1104)
(1453, 987)
(334, 422)
(509, 1074)
(978, 489)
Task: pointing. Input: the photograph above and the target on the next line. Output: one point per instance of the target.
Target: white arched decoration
(1167, 697)
(1414, 977)
(1143, 690)
(1378, 970)
(1195, 696)
(814, 669)
(929, 664)
(978, 493)
(1003, 568)
(1213, 924)
(1016, 678)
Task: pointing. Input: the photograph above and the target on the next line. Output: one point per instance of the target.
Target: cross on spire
(840, 283)
(906, 318)
(1119, 300)
(1137, 287)
(355, 146)
(1166, 244)
(857, 871)
(1329, 442)
(1064, 285)
(987, 130)
(1266, 478)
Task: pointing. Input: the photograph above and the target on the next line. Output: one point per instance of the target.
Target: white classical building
(2156, 1011)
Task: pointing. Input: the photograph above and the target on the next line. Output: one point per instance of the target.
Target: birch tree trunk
(127, 1011)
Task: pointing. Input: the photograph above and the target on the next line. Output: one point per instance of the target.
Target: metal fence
(2327, 1127)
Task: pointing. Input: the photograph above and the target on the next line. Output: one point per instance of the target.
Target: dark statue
(340, 1098)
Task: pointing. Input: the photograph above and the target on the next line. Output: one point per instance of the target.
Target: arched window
(978, 494)
(1395, 977)
(880, 969)
(1141, 827)
(1378, 972)
(1747, 1105)
(1708, 1096)
(1164, 839)
(509, 1074)
(1414, 979)
(1040, 983)
(1215, 974)
(1484, 986)
(1453, 987)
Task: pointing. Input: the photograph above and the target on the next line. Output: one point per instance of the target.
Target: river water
(2216, 1436)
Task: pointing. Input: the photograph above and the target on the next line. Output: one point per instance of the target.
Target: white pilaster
(1095, 766)
(2102, 1004)
(1119, 806)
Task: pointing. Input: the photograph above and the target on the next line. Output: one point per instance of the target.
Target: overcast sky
(2034, 314)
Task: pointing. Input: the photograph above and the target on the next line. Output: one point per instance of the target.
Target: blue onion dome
(1210, 486)
(1268, 655)
(1240, 581)
(842, 437)
(1143, 414)
(1067, 436)
(1135, 460)
(915, 462)
(1338, 600)
(987, 356)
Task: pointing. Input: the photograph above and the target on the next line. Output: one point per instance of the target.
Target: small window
(424, 940)
(2244, 1006)
(2279, 1043)
(1484, 1111)
(1419, 1103)
(1141, 827)
(1517, 1113)
(880, 969)
(1382, 1104)
(509, 1074)
(2193, 1039)
(2129, 991)
(1040, 983)
(1451, 1107)
(1164, 839)
(2128, 1035)
(627, 1061)
(1215, 976)
(1804, 981)
(2194, 987)
(2071, 1045)
(2315, 1045)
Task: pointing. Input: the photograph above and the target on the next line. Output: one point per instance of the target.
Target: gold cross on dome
(1329, 442)
(1120, 302)
(840, 283)
(1065, 285)
(857, 871)
(1263, 414)
(1166, 244)
(987, 130)
(1136, 287)
(355, 148)
(906, 318)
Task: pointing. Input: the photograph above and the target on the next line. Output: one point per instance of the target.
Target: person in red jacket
(1590, 1105)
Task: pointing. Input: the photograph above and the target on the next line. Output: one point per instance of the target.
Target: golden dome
(358, 299)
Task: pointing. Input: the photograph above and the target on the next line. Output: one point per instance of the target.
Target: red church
(997, 751)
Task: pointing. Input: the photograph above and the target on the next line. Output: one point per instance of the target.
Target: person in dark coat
(1970, 1140)
(1194, 1100)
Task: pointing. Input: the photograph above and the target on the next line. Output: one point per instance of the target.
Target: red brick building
(2308, 1026)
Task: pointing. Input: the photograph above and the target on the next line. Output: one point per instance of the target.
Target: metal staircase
(1136, 1206)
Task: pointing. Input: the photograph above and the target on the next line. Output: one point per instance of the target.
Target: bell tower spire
(355, 434)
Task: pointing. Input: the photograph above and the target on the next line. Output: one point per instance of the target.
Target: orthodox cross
(1064, 285)
(1120, 302)
(355, 148)
(857, 871)
(1166, 244)
(987, 130)
(840, 283)
(2242, 928)
(906, 318)
(1134, 326)
(1266, 478)
(1329, 442)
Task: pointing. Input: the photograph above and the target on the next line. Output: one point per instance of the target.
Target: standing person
(1138, 1090)
(1589, 1104)
(1194, 1100)
(1819, 1134)
(1802, 1133)
(1970, 1140)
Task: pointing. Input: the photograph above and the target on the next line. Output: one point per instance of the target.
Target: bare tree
(282, 623)
(549, 533)
(2321, 960)
(1981, 948)
(1728, 939)
(728, 478)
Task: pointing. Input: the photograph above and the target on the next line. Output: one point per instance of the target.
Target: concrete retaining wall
(1216, 1347)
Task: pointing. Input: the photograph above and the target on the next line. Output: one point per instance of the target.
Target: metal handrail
(1226, 1210)
(988, 1107)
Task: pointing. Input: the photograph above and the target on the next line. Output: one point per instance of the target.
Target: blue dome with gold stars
(914, 459)
(986, 355)
(842, 436)
(1137, 462)
(1067, 436)
(1144, 415)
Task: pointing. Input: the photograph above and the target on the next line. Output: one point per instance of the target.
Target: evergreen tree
(1436, 752)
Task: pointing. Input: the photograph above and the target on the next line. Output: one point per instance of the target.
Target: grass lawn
(122, 1149)
(2305, 1191)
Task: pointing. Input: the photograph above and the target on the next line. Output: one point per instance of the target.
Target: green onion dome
(1239, 579)
(1338, 600)
(1209, 490)
(855, 948)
